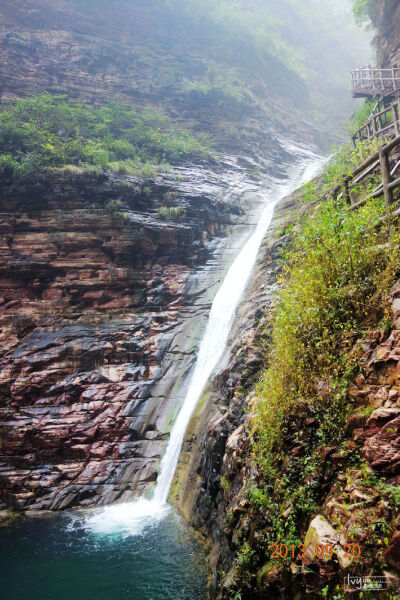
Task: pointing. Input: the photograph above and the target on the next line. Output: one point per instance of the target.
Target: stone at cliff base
(393, 551)
(269, 575)
(320, 534)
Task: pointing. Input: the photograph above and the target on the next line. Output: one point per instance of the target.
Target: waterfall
(211, 348)
(131, 518)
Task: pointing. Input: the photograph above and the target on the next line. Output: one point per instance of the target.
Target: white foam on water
(130, 518)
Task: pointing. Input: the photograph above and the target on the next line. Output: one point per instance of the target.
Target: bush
(49, 132)
(230, 90)
(361, 115)
(360, 10)
(174, 212)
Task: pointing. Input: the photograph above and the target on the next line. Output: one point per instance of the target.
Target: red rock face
(393, 551)
(90, 302)
(378, 388)
(385, 16)
(352, 506)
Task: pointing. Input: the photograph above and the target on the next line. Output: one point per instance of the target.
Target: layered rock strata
(101, 303)
(100, 52)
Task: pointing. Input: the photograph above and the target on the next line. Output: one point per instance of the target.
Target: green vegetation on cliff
(361, 115)
(50, 132)
(336, 276)
(361, 10)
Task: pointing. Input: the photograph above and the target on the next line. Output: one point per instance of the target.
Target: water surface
(59, 558)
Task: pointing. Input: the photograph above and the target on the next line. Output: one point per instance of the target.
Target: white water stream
(131, 518)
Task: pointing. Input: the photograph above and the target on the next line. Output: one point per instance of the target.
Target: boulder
(319, 569)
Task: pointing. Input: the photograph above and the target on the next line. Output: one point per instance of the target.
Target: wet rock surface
(100, 301)
(102, 52)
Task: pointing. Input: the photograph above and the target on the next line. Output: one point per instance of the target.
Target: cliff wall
(100, 302)
(217, 476)
(385, 17)
(212, 74)
(100, 298)
(99, 52)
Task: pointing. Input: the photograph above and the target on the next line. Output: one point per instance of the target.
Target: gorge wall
(385, 16)
(100, 304)
(217, 472)
(218, 72)
(102, 301)
(101, 51)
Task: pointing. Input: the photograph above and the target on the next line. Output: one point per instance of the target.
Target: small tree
(360, 10)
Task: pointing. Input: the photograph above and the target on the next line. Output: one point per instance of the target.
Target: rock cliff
(100, 51)
(99, 301)
(385, 15)
(203, 75)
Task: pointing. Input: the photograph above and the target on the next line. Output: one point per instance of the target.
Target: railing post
(346, 191)
(395, 109)
(398, 116)
(379, 121)
(374, 132)
(385, 172)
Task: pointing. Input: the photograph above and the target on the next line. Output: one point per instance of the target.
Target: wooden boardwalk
(368, 82)
(381, 123)
(381, 162)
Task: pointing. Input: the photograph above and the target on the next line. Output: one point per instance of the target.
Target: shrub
(114, 205)
(224, 89)
(361, 115)
(360, 10)
(173, 212)
(50, 132)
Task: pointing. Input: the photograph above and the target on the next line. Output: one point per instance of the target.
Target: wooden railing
(385, 123)
(369, 82)
(380, 160)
